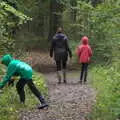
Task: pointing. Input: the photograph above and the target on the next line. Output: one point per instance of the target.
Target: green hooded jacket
(15, 68)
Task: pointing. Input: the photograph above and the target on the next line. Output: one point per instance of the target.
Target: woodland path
(67, 102)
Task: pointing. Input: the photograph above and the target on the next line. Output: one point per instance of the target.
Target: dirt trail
(67, 102)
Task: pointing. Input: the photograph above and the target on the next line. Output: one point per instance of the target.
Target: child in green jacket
(19, 68)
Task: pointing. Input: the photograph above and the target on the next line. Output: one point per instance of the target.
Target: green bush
(107, 83)
(10, 20)
(100, 24)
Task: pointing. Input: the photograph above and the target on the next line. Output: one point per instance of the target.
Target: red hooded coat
(84, 51)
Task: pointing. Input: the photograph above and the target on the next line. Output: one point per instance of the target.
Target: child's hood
(6, 59)
(85, 40)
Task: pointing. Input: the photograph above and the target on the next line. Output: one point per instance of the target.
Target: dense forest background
(30, 24)
(98, 19)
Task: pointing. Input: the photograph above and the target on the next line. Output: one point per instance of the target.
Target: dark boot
(64, 76)
(59, 77)
(42, 106)
(43, 103)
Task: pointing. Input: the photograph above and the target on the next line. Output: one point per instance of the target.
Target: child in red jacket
(84, 53)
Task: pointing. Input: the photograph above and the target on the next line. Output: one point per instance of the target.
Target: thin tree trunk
(55, 17)
(41, 26)
(74, 11)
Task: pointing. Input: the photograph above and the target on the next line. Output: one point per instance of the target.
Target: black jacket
(60, 47)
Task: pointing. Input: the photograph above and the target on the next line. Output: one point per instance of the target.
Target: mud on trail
(67, 102)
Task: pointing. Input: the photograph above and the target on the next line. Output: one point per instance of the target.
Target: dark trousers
(20, 89)
(61, 64)
(84, 70)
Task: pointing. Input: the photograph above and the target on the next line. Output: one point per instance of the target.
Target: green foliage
(73, 46)
(22, 18)
(100, 24)
(105, 32)
(10, 19)
(107, 83)
(9, 99)
(106, 40)
(35, 31)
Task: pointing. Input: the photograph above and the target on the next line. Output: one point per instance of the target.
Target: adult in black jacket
(60, 49)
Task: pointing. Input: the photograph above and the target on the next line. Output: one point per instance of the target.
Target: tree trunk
(55, 17)
(73, 4)
(41, 26)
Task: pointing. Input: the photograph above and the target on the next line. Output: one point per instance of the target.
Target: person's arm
(68, 48)
(10, 72)
(52, 48)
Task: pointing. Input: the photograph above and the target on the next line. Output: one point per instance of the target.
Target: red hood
(85, 40)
